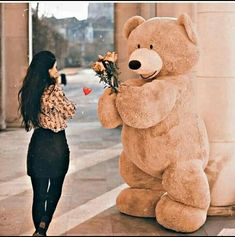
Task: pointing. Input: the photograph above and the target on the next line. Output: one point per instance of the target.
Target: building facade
(14, 59)
(83, 39)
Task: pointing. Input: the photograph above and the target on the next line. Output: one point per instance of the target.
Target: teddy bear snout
(134, 64)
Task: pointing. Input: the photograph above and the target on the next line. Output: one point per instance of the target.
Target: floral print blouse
(56, 109)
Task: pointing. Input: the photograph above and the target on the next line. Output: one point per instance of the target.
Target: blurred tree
(45, 37)
(76, 43)
(75, 56)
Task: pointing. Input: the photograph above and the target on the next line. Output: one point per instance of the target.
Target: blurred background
(76, 32)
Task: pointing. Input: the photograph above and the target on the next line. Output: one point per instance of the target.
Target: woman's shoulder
(53, 89)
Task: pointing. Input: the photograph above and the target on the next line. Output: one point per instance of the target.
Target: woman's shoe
(37, 234)
(41, 230)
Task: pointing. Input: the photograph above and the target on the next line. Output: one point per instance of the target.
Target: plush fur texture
(165, 143)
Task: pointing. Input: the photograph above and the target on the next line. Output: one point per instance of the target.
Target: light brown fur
(165, 143)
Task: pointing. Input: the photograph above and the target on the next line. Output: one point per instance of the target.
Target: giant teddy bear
(165, 142)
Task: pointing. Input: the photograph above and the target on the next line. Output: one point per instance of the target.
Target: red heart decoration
(86, 90)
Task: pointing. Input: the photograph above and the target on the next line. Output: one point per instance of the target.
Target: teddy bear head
(161, 45)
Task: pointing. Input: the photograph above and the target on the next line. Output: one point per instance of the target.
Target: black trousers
(46, 194)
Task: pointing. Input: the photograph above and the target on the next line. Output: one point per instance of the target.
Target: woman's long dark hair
(35, 81)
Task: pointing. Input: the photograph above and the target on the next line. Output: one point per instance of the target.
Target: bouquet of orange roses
(106, 69)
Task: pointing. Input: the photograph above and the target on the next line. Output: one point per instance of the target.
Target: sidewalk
(87, 205)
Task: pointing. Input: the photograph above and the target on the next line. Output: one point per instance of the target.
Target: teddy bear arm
(107, 111)
(146, 106)
(160, 100)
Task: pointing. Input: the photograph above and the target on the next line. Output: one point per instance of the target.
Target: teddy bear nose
(134, 64)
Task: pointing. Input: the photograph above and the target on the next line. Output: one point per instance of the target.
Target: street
(87, 205)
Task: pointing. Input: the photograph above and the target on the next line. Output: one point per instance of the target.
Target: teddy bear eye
(138, 46)
(151, 46)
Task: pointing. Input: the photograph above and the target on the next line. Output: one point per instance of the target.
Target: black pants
(46, 194)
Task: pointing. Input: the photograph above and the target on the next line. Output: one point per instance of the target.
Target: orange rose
(100, 57)
(111, 56)
(98, 67)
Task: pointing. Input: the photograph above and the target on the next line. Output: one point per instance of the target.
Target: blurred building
(86, 38)
(98, 10)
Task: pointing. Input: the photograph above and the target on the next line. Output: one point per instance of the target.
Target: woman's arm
(61, 103)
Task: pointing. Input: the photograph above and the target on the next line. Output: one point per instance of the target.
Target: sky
(63, 9)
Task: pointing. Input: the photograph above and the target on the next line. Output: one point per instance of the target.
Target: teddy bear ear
(186, 21)
(131, 24)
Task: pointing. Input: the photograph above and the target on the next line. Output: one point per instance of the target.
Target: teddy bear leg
(144, 192)
(184, 206)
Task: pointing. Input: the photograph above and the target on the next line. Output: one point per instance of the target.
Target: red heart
(87, 90)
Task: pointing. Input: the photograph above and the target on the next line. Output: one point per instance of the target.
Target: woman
(45, 108)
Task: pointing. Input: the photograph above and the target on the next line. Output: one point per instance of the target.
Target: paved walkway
(87, 205)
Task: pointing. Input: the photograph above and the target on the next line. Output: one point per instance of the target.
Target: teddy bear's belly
(153, 153)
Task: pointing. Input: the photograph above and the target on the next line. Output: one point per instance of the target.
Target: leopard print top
(56, 109)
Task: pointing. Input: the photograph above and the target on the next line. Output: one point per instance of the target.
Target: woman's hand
(57, 78)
